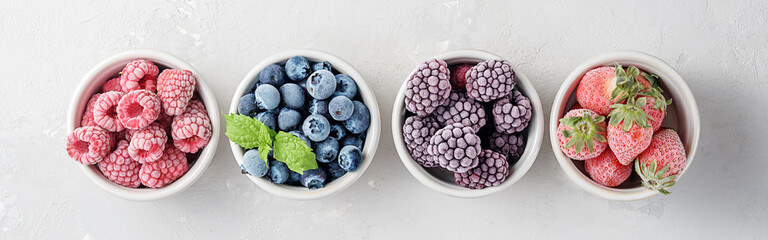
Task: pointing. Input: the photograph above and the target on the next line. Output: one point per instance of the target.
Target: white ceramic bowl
(444, 183)
(682, 115)
(109, 68)
(371, 139)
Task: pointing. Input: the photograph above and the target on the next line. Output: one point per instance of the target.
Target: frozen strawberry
(601, 87)
(657, 103)
(139, 74)
(575, 106)
(607, 170)
(105, 111)
(175, 87)
(660, 163)
(170, 166)
(629, 130)
(89, 145)
(119, 168)
(657, 115)
(581, 134)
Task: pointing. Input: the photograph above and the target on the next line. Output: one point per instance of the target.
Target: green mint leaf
(249, 133)
(294, 152)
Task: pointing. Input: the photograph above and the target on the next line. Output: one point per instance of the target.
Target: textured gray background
(719, 47)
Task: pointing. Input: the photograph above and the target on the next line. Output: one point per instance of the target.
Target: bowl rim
(672, 77)
(77, 105)
(533, 145)
(372, 135)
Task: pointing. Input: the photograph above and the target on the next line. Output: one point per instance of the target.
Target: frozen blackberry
(416, 132)
(428, 87)
(455, 147)
(490, 80)
(492, 171)
(461, 109)
(510, 145)
(512, 113)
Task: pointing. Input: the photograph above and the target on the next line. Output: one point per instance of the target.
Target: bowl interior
(442, 180)
(110, 68)
(682, 115)
(372, 134)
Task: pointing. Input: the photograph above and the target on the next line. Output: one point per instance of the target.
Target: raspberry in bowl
(625, 126)
(467, 123)
(143, 125)
(303, 124)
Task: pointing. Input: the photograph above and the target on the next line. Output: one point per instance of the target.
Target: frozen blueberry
(352, 140)
(272, 74)
(269, 118)
(293, 178)
(253, 164)
(313, 179)
(297, 68)
(316, 127)
(340, 108)
(345, 86)
(293, 95)
(334, 170)
(267, 97)
(321, 66)
(303, 84)
(350, 158)
(321, 84)
(359, 120)
(278, 172)
(247, 105)
(300, 135)
(319, 107)
(288, 119)
(327, 150)
(338, 132)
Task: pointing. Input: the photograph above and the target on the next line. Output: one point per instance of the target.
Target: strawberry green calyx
(655, 92)
(629, 114)
(627, 86)
(655, 180)
(584, 131)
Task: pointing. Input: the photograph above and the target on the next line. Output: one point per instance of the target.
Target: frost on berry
(428, 87)
(509, 145)
(460, 109)
(138, 109)
(491, 171)
(148, 143)
(87, 119)
(512, 113)
(416, 132)
(490, 80)
(139, 74)
(455, 147)
(112, 85)
(171, 165)
(191, 130)
(105, 111)
(89, 145)
(119, 168)
(175, 88)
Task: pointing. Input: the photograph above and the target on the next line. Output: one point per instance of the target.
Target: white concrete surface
(718, 46)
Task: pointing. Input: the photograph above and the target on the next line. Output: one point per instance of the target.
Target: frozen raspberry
(460, 109)
(112, 85)
(512, 113)
(105, 111)
(492, 171)
(416, 132)
(455, 147)
(147, 144)
(120, 168)
(139, 74)
(165, 170)
(89, 145)
(175, 87)
(191, 131)
(510, 145)
(428, 87)
(196, 106)
(459, 76)
(606, 169)
(490, 80)
(87, 119)
(138, 109)
(164, 121)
